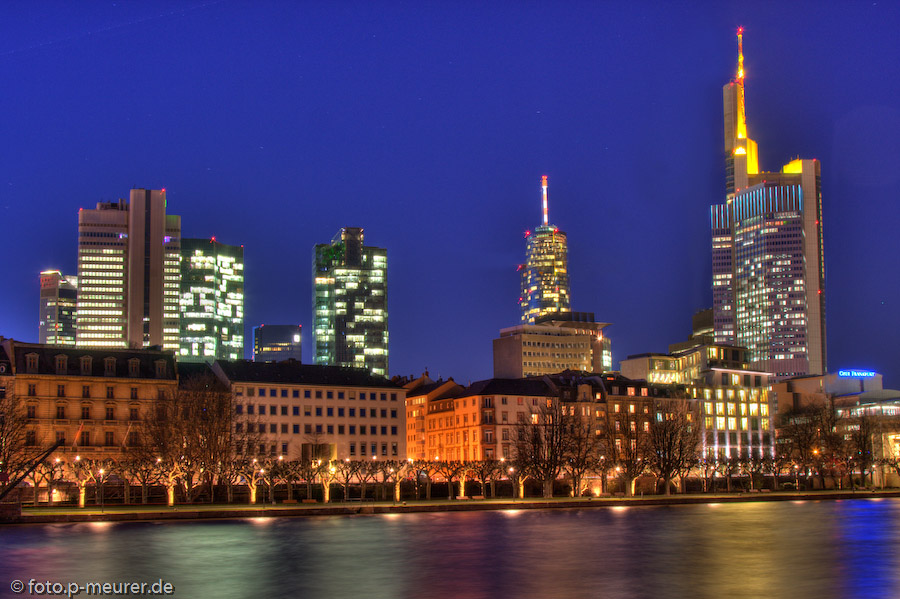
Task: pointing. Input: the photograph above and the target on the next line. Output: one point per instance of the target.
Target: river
(815, 549)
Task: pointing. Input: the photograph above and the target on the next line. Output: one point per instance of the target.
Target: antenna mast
(544, 197)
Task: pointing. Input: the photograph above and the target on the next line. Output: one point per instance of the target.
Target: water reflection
(814, 549)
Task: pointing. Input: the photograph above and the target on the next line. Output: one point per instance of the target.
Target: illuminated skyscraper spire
(741, 128)
(768, 262)
(544, 195)
(741, 157)
(545, 277)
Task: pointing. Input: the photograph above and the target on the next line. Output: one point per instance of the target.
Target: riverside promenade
(156, 512)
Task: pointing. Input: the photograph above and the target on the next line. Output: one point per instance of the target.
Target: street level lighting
(101, 490)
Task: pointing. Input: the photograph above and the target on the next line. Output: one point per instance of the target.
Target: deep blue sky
(429, 124)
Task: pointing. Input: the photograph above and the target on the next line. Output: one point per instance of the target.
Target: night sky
(430, 124)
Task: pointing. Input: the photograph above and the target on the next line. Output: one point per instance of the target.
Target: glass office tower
(350, 317)
(212, 301)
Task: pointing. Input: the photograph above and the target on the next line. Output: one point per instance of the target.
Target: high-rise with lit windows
(59, 302)
(350, 318)
(767, 256)
(129, 271)
(545, 274)
(212, 301)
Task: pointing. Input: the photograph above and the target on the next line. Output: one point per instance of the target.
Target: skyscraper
(212, 301)
(59, 300)
(350, 303)
(545, 274)
(767, 255)
(128, 272)
(277, 343)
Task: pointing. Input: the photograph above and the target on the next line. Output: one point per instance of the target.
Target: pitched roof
(290, 372)
(46, 353)
(510, 387)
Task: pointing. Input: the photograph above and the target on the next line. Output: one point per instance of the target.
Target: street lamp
(101, 490)
(262, 472)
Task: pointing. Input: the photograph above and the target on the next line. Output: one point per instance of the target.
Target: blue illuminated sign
(856, 374)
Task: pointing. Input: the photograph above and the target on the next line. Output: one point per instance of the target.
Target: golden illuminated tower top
(740, 152)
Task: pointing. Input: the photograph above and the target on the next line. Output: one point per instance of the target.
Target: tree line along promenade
(133, 427)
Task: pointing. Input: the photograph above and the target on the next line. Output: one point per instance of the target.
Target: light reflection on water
(778, 549)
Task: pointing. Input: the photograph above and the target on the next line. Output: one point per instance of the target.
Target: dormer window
(86, 365)
(134, 368)
(160, 369)
(31, 363)
(109, 366)
(62, 363)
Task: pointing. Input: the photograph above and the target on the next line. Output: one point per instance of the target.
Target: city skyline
(449, 190)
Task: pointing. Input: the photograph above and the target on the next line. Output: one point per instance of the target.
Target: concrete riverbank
(48, 515)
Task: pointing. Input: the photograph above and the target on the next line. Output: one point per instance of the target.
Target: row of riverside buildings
(147, 302)
(92, 402)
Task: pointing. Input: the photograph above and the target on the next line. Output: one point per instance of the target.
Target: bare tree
(142, 470)
(863, 429)
(728, 466)
(707, 469)
(51, 472)
(327, 473)
(248, 472)
(487, 471)
(800, 431)
(541, 445)
(674, 438)
(83, 471)
(292, 474)
(345, 471)
(365, 474)
(449, 470)
(19, 446)
(585, 450)
(628, 444)
(422, 472)
(392, 472)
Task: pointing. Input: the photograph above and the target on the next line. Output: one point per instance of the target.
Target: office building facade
(277, 342)
(91, 401)
(212, 301)
(734, 402)
(545, 274)
(556, 342)
(767, 254)
(59, 305)
(350, 303)
(305, 411)
(128, 270)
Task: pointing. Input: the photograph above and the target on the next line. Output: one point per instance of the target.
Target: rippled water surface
(778, 549)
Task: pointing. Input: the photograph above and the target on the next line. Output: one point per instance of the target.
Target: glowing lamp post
(101, 490)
